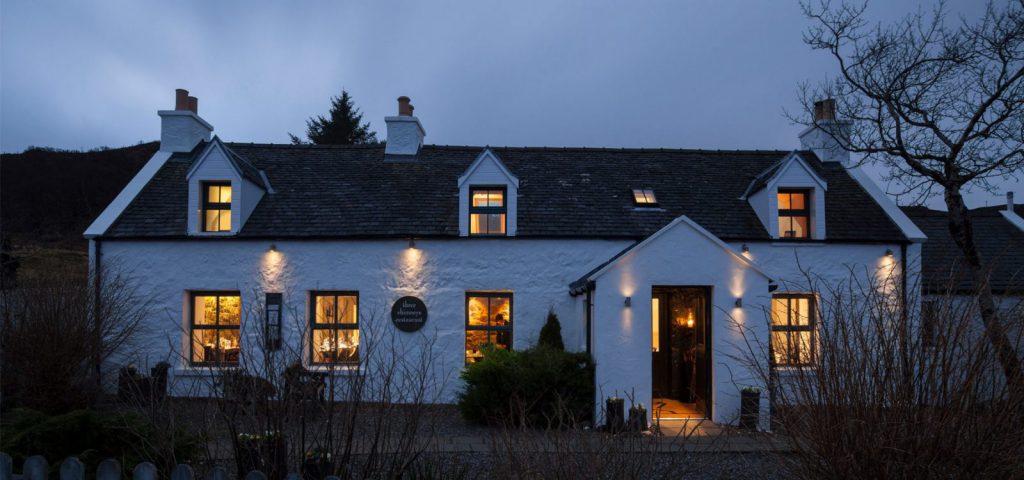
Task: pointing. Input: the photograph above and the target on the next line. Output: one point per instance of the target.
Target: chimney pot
(404, 107)
(825, 109)
(181, 99)
(1009, 201)
(193, 105)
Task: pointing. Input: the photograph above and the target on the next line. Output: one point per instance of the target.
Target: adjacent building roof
(350, 191)
(999, 242)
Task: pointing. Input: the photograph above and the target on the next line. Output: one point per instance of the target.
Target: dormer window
(216, 207)
(487, 210)
(644, 197)
(794, 214)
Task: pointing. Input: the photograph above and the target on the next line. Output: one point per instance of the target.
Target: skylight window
(644, 197)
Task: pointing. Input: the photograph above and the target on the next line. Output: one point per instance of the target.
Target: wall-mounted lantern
(739, 302)
(629, 301)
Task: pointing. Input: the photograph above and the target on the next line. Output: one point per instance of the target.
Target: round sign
(409, 314)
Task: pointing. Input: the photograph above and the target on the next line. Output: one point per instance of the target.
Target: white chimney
(405, 133)
(828, 134)
(182, 128)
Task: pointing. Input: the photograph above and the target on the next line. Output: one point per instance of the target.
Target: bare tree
(940, 103)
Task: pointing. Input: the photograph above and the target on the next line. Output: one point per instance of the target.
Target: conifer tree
(343, 126)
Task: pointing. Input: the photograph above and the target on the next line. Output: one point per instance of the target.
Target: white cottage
(649, 257)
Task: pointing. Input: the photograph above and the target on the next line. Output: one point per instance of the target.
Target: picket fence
(36, 468)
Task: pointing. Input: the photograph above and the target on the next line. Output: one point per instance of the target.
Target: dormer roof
(771, 175)
(242, 167)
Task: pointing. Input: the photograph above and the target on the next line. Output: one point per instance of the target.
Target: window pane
(496, 223)
(228, 343)
(212, 220)
(495, 198)
(477, 310)
(801, 311)
(225, 220)
(480, 198)
(204, 310)
(347, 309)
(800, 227)
(225, 194)
(212, 193)
(780, 347)
(475, 340)
(230, 310)
(203, 345)
(655, 325)
(796, 201)
(786, 227)
(502, 340)
(324, 342)
(784, 201)
(779, 311)
(475, 220)
(639, 197)
(500, 307)
(348, 345)
(325, 308)
(803, 344)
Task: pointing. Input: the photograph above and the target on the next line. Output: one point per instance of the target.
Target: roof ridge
(523, 148)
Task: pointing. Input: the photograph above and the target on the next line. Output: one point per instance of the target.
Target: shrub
(92, 436)
(551, 333)
(540, 387)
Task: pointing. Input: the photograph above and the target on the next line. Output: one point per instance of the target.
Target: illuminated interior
(644, 197)
(655, 324)
(792, 329)
(215, 328)
(487, 211)
(335, 332)
(217, 207)
(488, 321)
(794, 214)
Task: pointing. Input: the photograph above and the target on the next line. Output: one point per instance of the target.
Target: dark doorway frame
(664, 291)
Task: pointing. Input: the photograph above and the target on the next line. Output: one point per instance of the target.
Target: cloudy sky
(691, 74)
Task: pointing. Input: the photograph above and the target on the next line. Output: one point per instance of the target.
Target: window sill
(203, 371)
(342, 369)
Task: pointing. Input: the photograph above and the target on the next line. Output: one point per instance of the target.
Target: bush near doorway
(543, 386)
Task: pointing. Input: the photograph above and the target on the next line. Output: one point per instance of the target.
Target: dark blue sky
(708, 74)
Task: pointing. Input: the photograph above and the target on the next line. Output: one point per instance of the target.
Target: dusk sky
(679, 74)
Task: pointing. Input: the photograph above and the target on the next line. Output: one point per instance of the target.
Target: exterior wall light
(745, 248)
(412, 242)
(273, 247)
(629, 301)
(739, 302)
(888, 252)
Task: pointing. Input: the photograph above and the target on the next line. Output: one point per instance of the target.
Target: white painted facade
(441, 271)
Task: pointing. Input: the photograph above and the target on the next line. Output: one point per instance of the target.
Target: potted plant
(316, 464)
(638, 418)
(750, 407)
(615, 414)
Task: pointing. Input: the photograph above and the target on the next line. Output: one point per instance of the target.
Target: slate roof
(999, 242)
(350, 191)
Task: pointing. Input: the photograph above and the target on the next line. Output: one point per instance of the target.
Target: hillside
(48, 197)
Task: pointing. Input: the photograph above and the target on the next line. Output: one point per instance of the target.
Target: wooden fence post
(72, 469)
(6, 466)
(144, 471)
(35, 468)
(182, 472)
(108, 469)
(255, 475)
(217, 473)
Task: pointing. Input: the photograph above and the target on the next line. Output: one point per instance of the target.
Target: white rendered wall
(440, 272)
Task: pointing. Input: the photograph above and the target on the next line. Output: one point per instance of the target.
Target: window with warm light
(793, 327)
(794, 214)
(334, 328)
(488, 321)
(487, 211)
(216, 207)
(214, 327)
(644, 197)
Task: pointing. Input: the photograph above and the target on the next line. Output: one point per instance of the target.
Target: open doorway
(680, 352)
